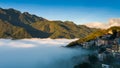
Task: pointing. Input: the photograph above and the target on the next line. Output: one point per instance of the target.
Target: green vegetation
(93, 35)
(117, 28)
(25, 25)
(9, 31)
(89, 37)
(15, 24)
(60, 29)
(83, 65)
(91, 63)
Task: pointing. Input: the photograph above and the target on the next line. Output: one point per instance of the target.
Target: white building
(101, 56)
(100, 42)
(105, 66)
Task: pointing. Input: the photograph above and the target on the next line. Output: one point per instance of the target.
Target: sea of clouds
(38, 53)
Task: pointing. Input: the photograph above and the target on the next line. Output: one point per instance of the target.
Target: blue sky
(78, 11)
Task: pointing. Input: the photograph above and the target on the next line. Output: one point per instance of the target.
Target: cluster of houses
(107, 48)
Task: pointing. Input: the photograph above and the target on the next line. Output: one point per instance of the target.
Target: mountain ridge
(38, 27)
(94, 35)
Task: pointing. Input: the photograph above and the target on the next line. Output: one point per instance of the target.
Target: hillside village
(106, 48)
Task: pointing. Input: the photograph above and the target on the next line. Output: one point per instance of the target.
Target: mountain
(23, 20)
(59, 29)
(15, 24)
(7, 31)
(94, 35)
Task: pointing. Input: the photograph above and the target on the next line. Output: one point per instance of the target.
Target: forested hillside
(93, 35)
(15, 24)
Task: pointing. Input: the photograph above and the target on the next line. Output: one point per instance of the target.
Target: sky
(78, 11)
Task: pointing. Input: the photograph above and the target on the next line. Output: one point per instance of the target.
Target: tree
(83, 65)
(93, 59)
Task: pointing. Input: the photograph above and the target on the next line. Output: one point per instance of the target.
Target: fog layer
(38, 53)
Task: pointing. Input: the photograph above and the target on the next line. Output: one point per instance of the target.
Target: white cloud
(112, 22)
(26, 43)
(97, 25)
(38, 53)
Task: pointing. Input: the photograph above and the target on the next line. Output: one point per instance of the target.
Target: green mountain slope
(9, 31)
(59, 29)
(93, 35)
(38, 27)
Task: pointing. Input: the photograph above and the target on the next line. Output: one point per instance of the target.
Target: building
(101, 56)
(105, 66)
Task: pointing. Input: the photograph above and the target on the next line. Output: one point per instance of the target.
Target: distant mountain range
(111, 23)
(14, 24)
